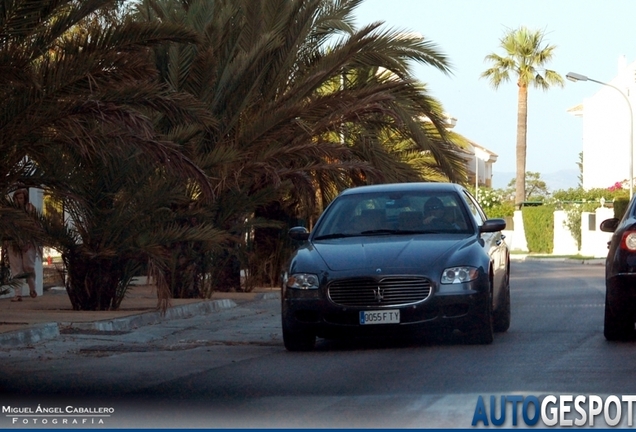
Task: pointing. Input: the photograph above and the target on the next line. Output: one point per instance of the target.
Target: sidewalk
(48, 316)
(546, 257)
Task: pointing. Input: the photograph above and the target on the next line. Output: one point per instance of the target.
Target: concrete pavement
(47, 316)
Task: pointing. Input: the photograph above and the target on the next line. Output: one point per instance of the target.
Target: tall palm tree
(524, 59)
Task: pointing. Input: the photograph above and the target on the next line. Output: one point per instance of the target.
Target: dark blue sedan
(409, 258)
(620, 276)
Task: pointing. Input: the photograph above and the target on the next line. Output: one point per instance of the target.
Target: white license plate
(379, 317)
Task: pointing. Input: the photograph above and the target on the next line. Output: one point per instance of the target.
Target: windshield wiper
(374, 232)
(334, 236)
(380, 231)
(398, 231)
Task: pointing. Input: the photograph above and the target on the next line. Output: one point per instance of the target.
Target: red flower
(615, 187)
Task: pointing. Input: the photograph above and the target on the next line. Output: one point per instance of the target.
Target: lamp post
(578, 77)
(476, 177)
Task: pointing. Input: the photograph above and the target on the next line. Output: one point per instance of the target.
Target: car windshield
(390, 213)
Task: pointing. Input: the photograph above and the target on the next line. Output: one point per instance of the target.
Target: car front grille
(388, 291)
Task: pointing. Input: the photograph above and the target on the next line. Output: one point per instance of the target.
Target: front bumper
(311, 311)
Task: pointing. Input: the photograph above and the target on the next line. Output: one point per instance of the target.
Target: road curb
(31, 335)
(586, 261)
(47, 331)
(149, 318)
(267, 296)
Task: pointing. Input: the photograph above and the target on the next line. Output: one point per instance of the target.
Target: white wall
(564, 241)
(517, 242)
(594, 242)
(35, 198)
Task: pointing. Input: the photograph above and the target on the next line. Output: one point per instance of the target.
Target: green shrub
(620, 207)
(538, 223)
(503, 211)
(582, 195)
(488, 198)
(493, 204)
(576, 201)
(573, 214)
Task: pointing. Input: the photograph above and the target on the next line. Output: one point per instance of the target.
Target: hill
(559, 180)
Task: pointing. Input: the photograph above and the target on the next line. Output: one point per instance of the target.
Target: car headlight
(303, 281)
(456, 275)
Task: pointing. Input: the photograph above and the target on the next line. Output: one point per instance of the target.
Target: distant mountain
(559, 180)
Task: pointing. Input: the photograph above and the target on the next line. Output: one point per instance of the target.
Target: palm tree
(78, 94)
(124, 216)
(300, 108)
(525, 57)
(55, 80)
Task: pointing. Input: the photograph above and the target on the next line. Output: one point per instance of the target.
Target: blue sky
(589, 35)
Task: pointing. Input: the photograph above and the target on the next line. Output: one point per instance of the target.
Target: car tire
(482, 330)
(619, 321)
(298, 340)
(501, 317)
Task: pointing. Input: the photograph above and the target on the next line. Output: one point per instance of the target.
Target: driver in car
(436, 217)
(434, 211)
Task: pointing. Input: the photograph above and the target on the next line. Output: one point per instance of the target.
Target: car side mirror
(298, 233)
(609, 225)
(493, 225)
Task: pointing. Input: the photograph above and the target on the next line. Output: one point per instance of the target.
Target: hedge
(620, 207)
(538, 223)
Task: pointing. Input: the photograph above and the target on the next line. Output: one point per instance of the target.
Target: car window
(475, 209)
(378, 213)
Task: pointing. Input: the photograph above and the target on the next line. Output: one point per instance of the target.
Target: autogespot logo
(554, 410)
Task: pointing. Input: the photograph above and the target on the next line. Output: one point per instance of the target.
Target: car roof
(405, 187)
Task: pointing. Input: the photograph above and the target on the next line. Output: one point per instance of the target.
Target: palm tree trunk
(92, 283)
(522, 131)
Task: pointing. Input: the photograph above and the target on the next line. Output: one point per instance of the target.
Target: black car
(397, 259)
(620, 276)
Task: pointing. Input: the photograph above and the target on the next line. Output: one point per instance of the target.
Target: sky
(590, 36)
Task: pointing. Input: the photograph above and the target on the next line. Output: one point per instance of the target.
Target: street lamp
(578, 77)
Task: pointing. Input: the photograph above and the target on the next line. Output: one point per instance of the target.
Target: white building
(480, 164)
(479, 159)
(606, 129)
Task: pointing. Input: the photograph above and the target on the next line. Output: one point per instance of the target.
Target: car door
(493, 243)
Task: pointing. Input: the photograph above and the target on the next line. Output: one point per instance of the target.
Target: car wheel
(619, 321)
(501, 318)
(481, 332)
(298, 340)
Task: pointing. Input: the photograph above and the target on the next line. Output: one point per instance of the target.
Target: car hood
(381, 252)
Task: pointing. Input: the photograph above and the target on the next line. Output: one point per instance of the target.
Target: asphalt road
(229, 369)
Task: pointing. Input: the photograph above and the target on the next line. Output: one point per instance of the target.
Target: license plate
(380, 317)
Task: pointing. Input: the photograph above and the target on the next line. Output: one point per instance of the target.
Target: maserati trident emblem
(378, 294)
